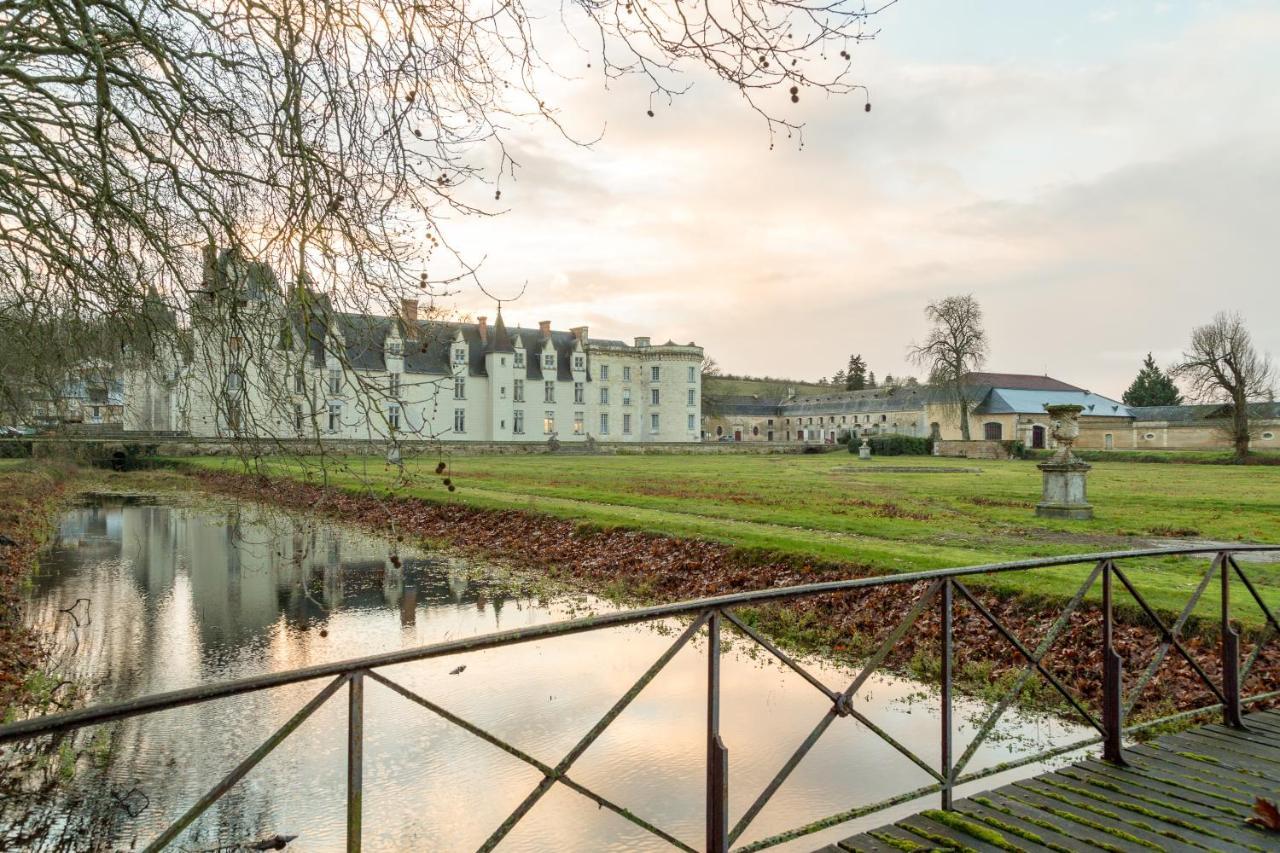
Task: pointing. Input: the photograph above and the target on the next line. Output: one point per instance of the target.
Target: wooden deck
(1187, 791)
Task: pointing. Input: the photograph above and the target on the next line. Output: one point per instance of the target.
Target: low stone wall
(980, 449)
(86, 449)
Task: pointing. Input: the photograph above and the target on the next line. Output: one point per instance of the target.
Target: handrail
(943, 590)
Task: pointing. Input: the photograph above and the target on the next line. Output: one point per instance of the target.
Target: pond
(147, 596)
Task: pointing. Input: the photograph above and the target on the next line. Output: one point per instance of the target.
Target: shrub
(895, 445)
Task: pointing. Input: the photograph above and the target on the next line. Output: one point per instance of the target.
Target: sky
(1102, 177)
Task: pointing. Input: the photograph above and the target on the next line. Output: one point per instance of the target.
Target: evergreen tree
(871, 379)
(855, 378)
(838, 379)
(888, 381)
(1152, 387)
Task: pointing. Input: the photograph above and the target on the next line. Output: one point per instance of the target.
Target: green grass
(836, 509)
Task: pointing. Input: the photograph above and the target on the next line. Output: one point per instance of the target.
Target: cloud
(1097, 205)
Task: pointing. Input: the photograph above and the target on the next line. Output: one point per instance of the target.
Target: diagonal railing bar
(1046, 643)
(215, 793)
(1170, 635)
(840, 707)
(590, 737)
(514, 751)
(781, 655)
(1257, 597)
(1033, 659)
(893, 742)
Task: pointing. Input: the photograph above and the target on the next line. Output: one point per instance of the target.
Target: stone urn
(864, 449)
(1065, 493)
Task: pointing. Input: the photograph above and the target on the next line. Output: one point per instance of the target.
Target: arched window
(992, 431)
(719, 431)
(755, 430)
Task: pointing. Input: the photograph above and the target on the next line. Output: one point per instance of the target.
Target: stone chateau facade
(316, 372)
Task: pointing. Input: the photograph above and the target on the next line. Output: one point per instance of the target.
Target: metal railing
(941, 591)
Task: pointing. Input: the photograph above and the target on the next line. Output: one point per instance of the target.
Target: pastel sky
(1101, 176)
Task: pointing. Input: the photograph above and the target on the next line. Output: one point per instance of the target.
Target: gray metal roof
(1029, 402)
(1201, 411)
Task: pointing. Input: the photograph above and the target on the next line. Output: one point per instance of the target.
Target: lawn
(889, 514)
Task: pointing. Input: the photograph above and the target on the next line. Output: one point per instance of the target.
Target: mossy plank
(939, 834)
(1049, 839)
(1112, 816)
(1084, 835)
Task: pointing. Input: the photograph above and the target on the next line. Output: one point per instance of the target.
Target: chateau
(315, 372)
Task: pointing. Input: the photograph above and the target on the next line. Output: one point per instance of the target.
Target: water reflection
(178, 596)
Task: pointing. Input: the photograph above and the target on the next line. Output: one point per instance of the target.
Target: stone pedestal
(1065, 493)
(864, 450)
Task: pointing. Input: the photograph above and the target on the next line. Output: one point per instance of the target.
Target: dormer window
(549, 362)
(579, 362)
(519, 359)
(394, 348)
(460, 355)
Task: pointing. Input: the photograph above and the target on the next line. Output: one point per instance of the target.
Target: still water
(167, 596)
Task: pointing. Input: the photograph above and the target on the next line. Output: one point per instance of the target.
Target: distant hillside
(764, 387)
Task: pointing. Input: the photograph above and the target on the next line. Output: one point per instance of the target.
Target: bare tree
(1223, 366)
(710, 367)
(956, 345)
(324, 139)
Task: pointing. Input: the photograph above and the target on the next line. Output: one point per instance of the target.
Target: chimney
(482, 326)
(642, 342)
(544, 328)
(580, 332)
(409, 316)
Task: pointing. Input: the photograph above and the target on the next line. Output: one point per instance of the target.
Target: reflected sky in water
(177, 596)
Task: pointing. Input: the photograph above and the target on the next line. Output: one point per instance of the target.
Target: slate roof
(873, 400)
(1203, 411)
(1006, 400)
(427, 352)
(746, 404)
(1018, 382)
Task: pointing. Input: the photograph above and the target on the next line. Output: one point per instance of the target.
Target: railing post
(1230, 653)
(717, 755)
(1112, 680)
(945, 605)
(355, 759)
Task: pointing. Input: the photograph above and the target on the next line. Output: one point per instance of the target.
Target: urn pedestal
(864, 450)
(1065, 493)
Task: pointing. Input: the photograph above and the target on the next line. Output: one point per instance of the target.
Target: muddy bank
(643, 567)
(29, 496)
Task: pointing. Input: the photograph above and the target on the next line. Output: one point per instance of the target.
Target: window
(604, 396)
(335, 417)
(335, 381)
(548, 392)
(653, 422)
(604, 373)
(992, 431)
(1268, 436)
(394, 348)
(393, 416)
(519, 362)
(393, 384)
(459, 420)
(459, 355)
(693, 374)
(693, 397)
(233, 382)
(655, 374)
(549, 361)
(693, 423)
(459, 388)
(1150, 436)
(654, 395)
(300, 382)
(884, 418)
(299, 419)
(517, 425)
(626, 396)
(626, 374)
(770, 421)
(626, 423)
(579, 362)
(604, 424)
(719, 431)
(577, 423)
(579, 392)
(755, 430)
(548, 422)
(517, 390)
